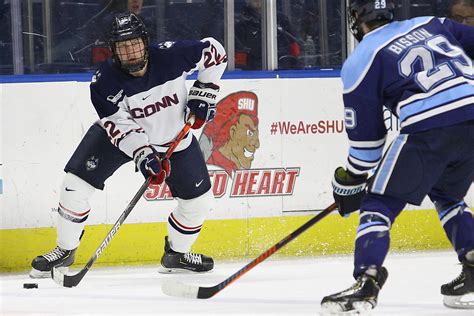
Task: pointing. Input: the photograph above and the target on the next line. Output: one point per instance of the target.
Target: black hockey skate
(459, 293)
(360, 297)
(58, 257)
(177, 262)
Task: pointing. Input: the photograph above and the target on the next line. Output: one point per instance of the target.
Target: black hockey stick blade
(73, 280)
(180, 289)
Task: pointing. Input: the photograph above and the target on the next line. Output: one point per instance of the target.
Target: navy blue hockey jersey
(420, 69)
(149, 110)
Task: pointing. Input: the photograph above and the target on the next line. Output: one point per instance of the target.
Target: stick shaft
(207, 292)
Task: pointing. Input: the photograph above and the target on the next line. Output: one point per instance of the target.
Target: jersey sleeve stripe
(367, 144)
(358, 171)
(365, 164)
(366, 154)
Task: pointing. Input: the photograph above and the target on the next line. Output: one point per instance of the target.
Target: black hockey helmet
(128, 26)
(368, 11)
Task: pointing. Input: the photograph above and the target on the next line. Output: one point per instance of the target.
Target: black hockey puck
(30, 285)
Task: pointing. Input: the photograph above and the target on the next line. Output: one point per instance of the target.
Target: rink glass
(53, 36)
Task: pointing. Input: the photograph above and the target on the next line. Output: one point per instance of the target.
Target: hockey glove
(150, 165)
(202, 103)
(348, 190)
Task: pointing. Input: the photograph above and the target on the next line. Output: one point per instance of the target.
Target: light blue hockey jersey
(420, 69)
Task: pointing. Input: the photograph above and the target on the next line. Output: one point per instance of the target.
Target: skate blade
(164, 270)
(333, 308)
(37, 274)
(358, 308)
(465, 301)
(363, 308)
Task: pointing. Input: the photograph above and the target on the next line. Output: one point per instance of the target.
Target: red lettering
(321, 127)
(292, 174)
(165, 192)
(340, 128)
(158, 192)
(284, 127)
(264, 186)
(293, 129)
(219, 186)
(301, 127)
(240, 179)
(330, 126)
(252, 181)
(152, 192)
(278, 179)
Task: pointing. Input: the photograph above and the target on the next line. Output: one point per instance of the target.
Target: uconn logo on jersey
(155, 107)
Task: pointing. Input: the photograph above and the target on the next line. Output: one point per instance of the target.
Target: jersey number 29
(432, 73)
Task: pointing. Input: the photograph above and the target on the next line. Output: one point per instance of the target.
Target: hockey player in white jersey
(421, 70)
(142, 102)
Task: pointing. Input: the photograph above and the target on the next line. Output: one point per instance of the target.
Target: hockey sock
(378, 212)
(73, 210)
(185, 222)
(458, 224)
(372, 241)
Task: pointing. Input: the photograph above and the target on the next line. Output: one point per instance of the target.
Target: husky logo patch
(92, 163)
(166, 45)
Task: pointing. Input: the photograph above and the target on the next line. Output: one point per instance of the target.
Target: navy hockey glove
(150, 165)
(202, 103)
(348, 190)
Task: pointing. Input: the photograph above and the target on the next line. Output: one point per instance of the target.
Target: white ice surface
(276, 287)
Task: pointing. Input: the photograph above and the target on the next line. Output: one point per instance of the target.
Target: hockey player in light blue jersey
(421, 70)
(142, 102)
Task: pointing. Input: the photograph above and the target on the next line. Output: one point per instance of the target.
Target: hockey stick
(180, 289)
(73, 280)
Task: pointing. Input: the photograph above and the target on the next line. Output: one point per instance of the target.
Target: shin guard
(185, 222)
(74, 209)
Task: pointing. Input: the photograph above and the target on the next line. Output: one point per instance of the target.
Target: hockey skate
(459, 293)
(58, 257)
(360, 297)
(177, 262)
